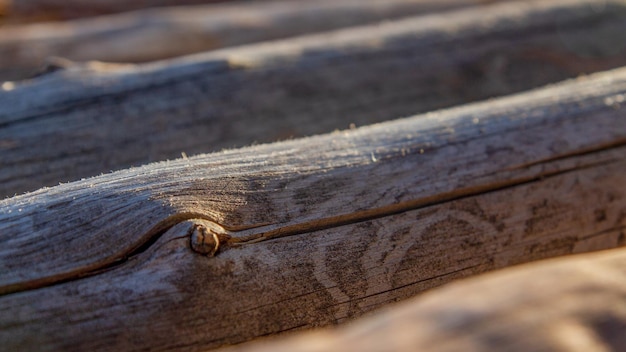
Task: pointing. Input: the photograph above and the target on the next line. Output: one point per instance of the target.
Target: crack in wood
(371, 214)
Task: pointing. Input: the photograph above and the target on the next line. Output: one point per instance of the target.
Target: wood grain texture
(111, 117)
(168, 32)
(314, 231)
(572, 304)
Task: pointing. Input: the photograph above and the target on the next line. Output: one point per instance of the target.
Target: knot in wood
(204, 241)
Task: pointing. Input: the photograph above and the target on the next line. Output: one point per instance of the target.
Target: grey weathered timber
(571, 304)
(110, 117)
(168, 32)
(313, 231)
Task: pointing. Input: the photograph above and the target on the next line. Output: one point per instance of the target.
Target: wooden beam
(572, 304)
(162, 33)
(110, 117)
(314, 231)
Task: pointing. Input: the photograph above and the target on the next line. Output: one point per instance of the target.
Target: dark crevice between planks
(255, 234)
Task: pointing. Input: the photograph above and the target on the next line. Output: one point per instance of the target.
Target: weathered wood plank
(317, 230)
(572, 304)
(113, 117)
(168, 32)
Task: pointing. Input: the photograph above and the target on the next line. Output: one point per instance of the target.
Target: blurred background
(32, 31)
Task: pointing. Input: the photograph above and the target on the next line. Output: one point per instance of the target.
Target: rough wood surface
(313, 231)
(112, 117)
(572, 304)
(168, 32)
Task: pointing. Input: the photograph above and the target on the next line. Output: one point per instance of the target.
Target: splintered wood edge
(281, 189)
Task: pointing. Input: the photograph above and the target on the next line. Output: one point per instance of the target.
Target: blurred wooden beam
(114, 116)
(168, 32)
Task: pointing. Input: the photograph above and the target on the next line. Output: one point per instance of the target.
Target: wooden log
(112, 117)
(314, 231)
(168, 32)
(572, 304)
